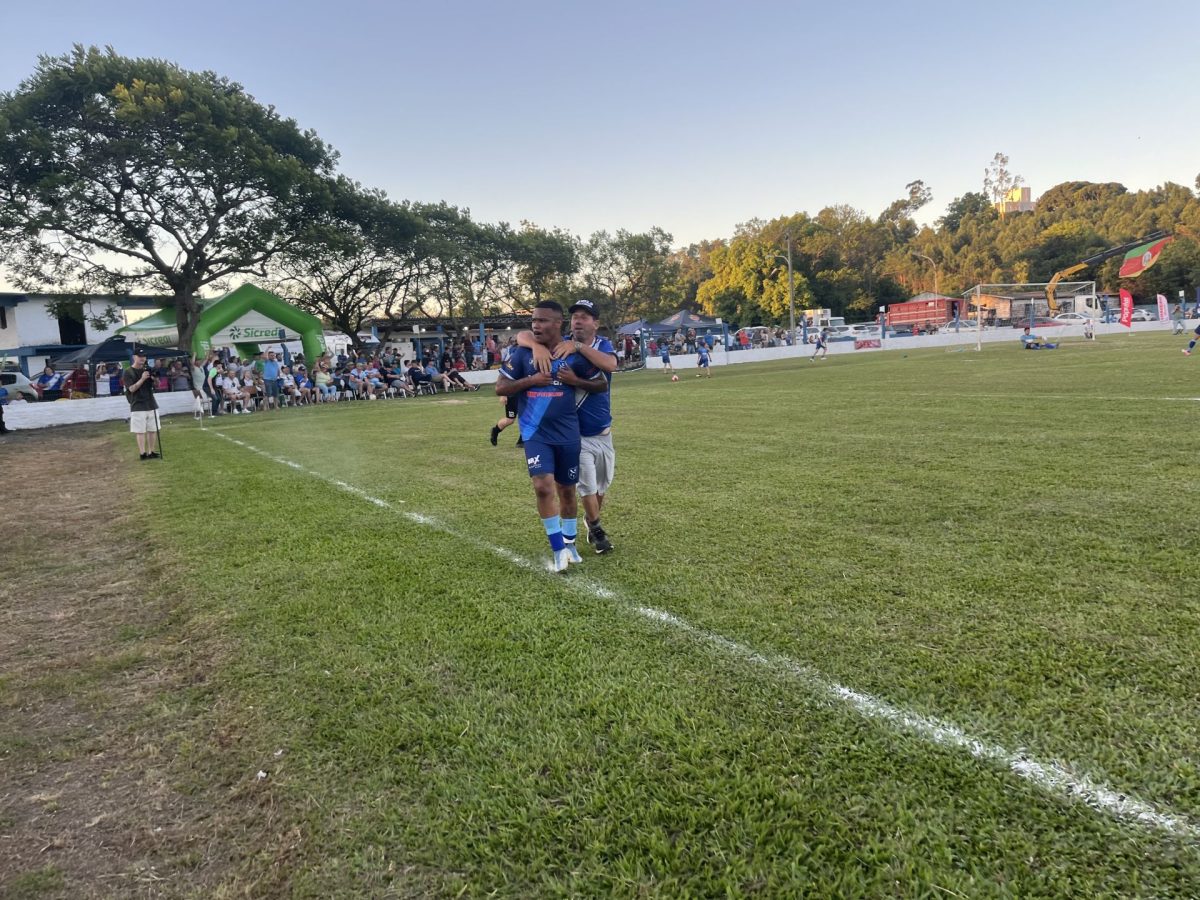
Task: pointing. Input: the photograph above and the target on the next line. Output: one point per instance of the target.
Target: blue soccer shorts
(559, 460)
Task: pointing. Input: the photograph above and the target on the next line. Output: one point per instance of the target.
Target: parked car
(1144, 315)
(17, 385)
(1069, 317)
(1038, 322)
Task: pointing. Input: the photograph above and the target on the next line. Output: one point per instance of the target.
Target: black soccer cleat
(599, 540)
(495, 435)
(520, 442)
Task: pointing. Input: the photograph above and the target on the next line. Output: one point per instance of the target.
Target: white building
(30, 334)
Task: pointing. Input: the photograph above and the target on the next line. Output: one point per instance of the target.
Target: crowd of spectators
(266, 382)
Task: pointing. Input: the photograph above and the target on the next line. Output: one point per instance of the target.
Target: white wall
(24, 415)
(945, 339)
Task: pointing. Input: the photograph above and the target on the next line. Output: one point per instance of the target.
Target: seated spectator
(397, 381)
(249, 389)
(287, 386)
(373, 382)
(438, 379)
(304, 385)
(231, 393)
(416, 374)
(323, 381)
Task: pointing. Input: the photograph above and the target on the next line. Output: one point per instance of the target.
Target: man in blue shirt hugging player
(549, 422)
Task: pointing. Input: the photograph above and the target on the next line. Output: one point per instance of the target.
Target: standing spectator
(179, 379)
(197, 385)
(49, 380)
(491, 350)
(1177, 319)
(270, 375)
(143, 408)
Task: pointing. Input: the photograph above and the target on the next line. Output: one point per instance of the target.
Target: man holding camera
(143, 408)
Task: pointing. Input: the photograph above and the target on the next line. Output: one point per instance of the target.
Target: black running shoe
(153, 454)
(495, 435)
(598, 539)
(520, 442)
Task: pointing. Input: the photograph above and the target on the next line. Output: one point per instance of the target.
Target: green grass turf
(1004, 540)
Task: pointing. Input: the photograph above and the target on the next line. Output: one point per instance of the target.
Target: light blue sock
(553, 532)
(569, 529)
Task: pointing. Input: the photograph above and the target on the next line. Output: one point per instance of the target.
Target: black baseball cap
(587, 306)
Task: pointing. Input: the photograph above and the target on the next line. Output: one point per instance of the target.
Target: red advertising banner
(1126, 309)
(1163, 315)
(867, 344)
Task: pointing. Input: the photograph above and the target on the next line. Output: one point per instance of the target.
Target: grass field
(822, 571)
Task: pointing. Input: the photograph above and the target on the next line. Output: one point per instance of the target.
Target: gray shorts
(597, 465)
(271, 387)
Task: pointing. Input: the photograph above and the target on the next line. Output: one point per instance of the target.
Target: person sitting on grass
(1035, 342)
(454, 379)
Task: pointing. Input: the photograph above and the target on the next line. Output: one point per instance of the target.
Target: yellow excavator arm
(1052, 300)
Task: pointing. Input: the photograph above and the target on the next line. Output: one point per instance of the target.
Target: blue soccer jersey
(595, 410)
(702, 352)
(547, 412)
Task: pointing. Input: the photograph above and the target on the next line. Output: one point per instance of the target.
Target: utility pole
(791, 293)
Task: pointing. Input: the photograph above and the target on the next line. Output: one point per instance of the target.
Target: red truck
(937, 312)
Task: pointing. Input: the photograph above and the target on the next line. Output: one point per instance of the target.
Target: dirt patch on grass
(104, 692)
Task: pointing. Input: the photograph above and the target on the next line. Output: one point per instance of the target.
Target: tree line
(121, 175)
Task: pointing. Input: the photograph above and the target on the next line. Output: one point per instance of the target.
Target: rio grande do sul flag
(1126, 309)
(1139, 259)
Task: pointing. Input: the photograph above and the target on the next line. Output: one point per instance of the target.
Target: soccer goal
(1006, 304)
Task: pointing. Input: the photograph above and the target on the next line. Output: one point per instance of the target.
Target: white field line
(1074, 398)
(1050, 777)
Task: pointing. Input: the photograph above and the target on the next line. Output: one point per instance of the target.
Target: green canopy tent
(243, 318)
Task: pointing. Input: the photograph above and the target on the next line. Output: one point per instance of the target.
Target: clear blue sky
(691, 116)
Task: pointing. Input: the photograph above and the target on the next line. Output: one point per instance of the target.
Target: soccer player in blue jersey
(664, 353)
(597, 458)
(702, 360)
(549, 422)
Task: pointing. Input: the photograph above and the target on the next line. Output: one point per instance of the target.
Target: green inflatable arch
(249, 298)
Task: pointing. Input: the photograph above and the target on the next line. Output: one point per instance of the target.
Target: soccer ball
(674, 377)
